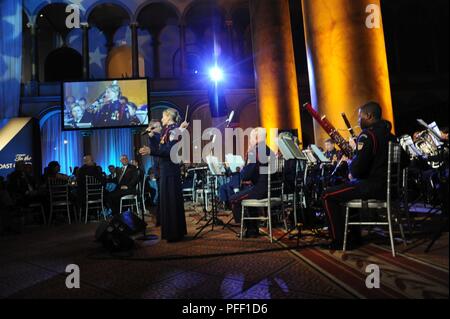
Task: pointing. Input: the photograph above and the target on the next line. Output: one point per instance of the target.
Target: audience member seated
(141, 172)
(22, 186)
(53, 171)
(9, 214)
(89, 168)
(126, 185)
(111, 177)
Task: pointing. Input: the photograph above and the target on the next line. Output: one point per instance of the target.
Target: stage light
(216, 74)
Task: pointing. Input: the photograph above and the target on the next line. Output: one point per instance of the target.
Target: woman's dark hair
(52, 166)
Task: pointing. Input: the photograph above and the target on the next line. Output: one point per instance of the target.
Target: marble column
(346, 59)
(275, 71)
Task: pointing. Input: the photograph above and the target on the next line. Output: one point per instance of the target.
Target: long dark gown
(171, 203)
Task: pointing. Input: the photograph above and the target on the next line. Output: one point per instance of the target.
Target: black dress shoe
(332, 246)
(249, 234)
(252, 234)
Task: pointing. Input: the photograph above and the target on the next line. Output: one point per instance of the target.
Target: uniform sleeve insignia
(360, 146)
(363, 137)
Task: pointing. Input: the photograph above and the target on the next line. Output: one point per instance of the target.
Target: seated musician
(331, 152)
(257, 182)
(444, 134)
(338, 159)
(368, 170)
(227, 190)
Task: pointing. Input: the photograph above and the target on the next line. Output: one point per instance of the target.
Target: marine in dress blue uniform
(171, 203)
(368, 170)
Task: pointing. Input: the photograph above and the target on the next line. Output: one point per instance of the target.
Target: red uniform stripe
(327, 209)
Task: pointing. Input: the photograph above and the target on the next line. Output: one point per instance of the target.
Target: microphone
(148, 130)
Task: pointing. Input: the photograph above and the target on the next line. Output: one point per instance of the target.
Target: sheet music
(434, 128)
(215, 167)
(310, 156)
(234, 161)
(322, 158)
(289, 149)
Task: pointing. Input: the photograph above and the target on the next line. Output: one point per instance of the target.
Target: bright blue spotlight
(216, 74)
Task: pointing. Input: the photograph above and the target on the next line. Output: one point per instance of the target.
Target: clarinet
(330, 130)
(98, 103)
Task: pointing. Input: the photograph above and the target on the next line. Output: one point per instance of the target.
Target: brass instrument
(425, 143)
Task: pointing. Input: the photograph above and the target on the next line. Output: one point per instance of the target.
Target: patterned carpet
(217, 265)
(404, 276)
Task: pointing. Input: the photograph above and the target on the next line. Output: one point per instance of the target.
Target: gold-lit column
(276, 78)
(346, 59)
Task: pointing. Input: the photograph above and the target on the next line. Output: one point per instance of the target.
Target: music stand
(319, 155)
(291, 151)
(216, 169)
(310, 158)
(234, 161)
(201, 175)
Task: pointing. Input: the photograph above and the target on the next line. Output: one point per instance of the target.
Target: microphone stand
(144, 236)
(213, 220)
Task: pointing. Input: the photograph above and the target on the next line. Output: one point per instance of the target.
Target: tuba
(425, 142)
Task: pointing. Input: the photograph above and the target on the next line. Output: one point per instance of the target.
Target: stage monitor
(105, 104)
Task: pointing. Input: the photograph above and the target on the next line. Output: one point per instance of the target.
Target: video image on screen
(105, 104)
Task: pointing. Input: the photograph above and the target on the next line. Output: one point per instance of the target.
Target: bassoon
(330, 130)
(349, 126)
